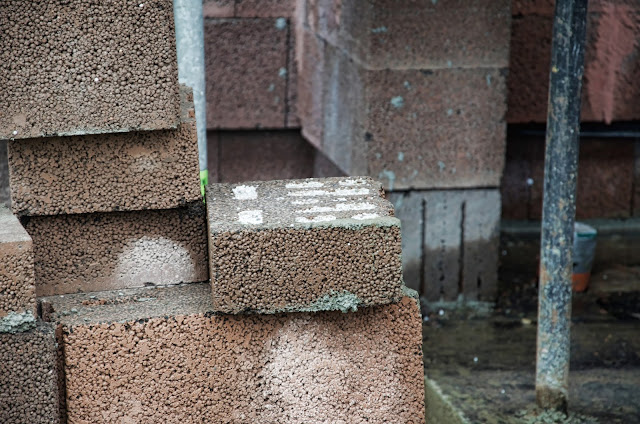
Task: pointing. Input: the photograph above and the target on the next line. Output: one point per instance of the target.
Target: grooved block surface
(246, 64)
(29, 377)
(461, 235)
(409, 208)
(385, 34)
(108, 251)
(17, 289)
(302, 245)
(107, 172)
(158, 348)
(76, 67)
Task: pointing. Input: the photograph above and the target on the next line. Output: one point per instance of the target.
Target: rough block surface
(386, 34)
(612, 64)
(108, 251)
(5, 192)
(605, 178)
(436, 129)
(419, 129)
(107, 172)
(17, 282)
(302, 245)
(264, 155)
(247, 72)
(158, 348)
(76, 67)
(310, 63)
(29, 377)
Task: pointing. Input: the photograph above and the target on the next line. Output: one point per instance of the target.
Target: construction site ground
(480, 364)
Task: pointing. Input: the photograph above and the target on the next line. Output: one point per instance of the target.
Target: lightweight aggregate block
(391, 34)
(17, 282)
(29, 377)
(302, 245)
(107, 172)
(164, 357)
(70, 67)
(247, 72)
(310, 63)
(413, 129)
(114, 250)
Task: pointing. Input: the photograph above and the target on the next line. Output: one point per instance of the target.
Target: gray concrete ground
(482, 370)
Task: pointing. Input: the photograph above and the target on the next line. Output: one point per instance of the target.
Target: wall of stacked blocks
(124, 298)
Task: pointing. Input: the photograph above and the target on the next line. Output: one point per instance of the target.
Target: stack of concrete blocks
(414, 93)
(305, 320)
(103, 154)
(28, 347)
(103, 164)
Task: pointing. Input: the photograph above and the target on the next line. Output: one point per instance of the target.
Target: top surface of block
(71, 67)
(10, 228)
(295, 204)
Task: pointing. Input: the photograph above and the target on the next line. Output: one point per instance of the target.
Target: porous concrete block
(611, 65)
(409, 209)
(310, 91)
(264, 8)
(29, 377)
(302, 245)
(386, 34)
(5, 192)
(264, 155)
(605, 178)
(436, 129)
(461, 235)
(218, 8)
(113, 250)
(158, 348)
(414, 129)
(107, 172)
(77, 67)
(17, 281)
(247, 72)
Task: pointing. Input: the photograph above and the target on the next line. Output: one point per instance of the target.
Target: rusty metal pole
(558, 212)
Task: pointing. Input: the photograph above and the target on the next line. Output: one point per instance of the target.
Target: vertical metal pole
(558, 213)
(190, 46)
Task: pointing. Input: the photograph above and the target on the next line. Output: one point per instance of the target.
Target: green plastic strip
(204, 180)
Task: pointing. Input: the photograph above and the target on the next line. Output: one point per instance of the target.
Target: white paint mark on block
(305, 201)
(306, 184)
(362, 216)
(362, 206)
(252, 217)
(243, 192)
(352, 182)
(351, 192)
(319, 218)
(338, 192)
